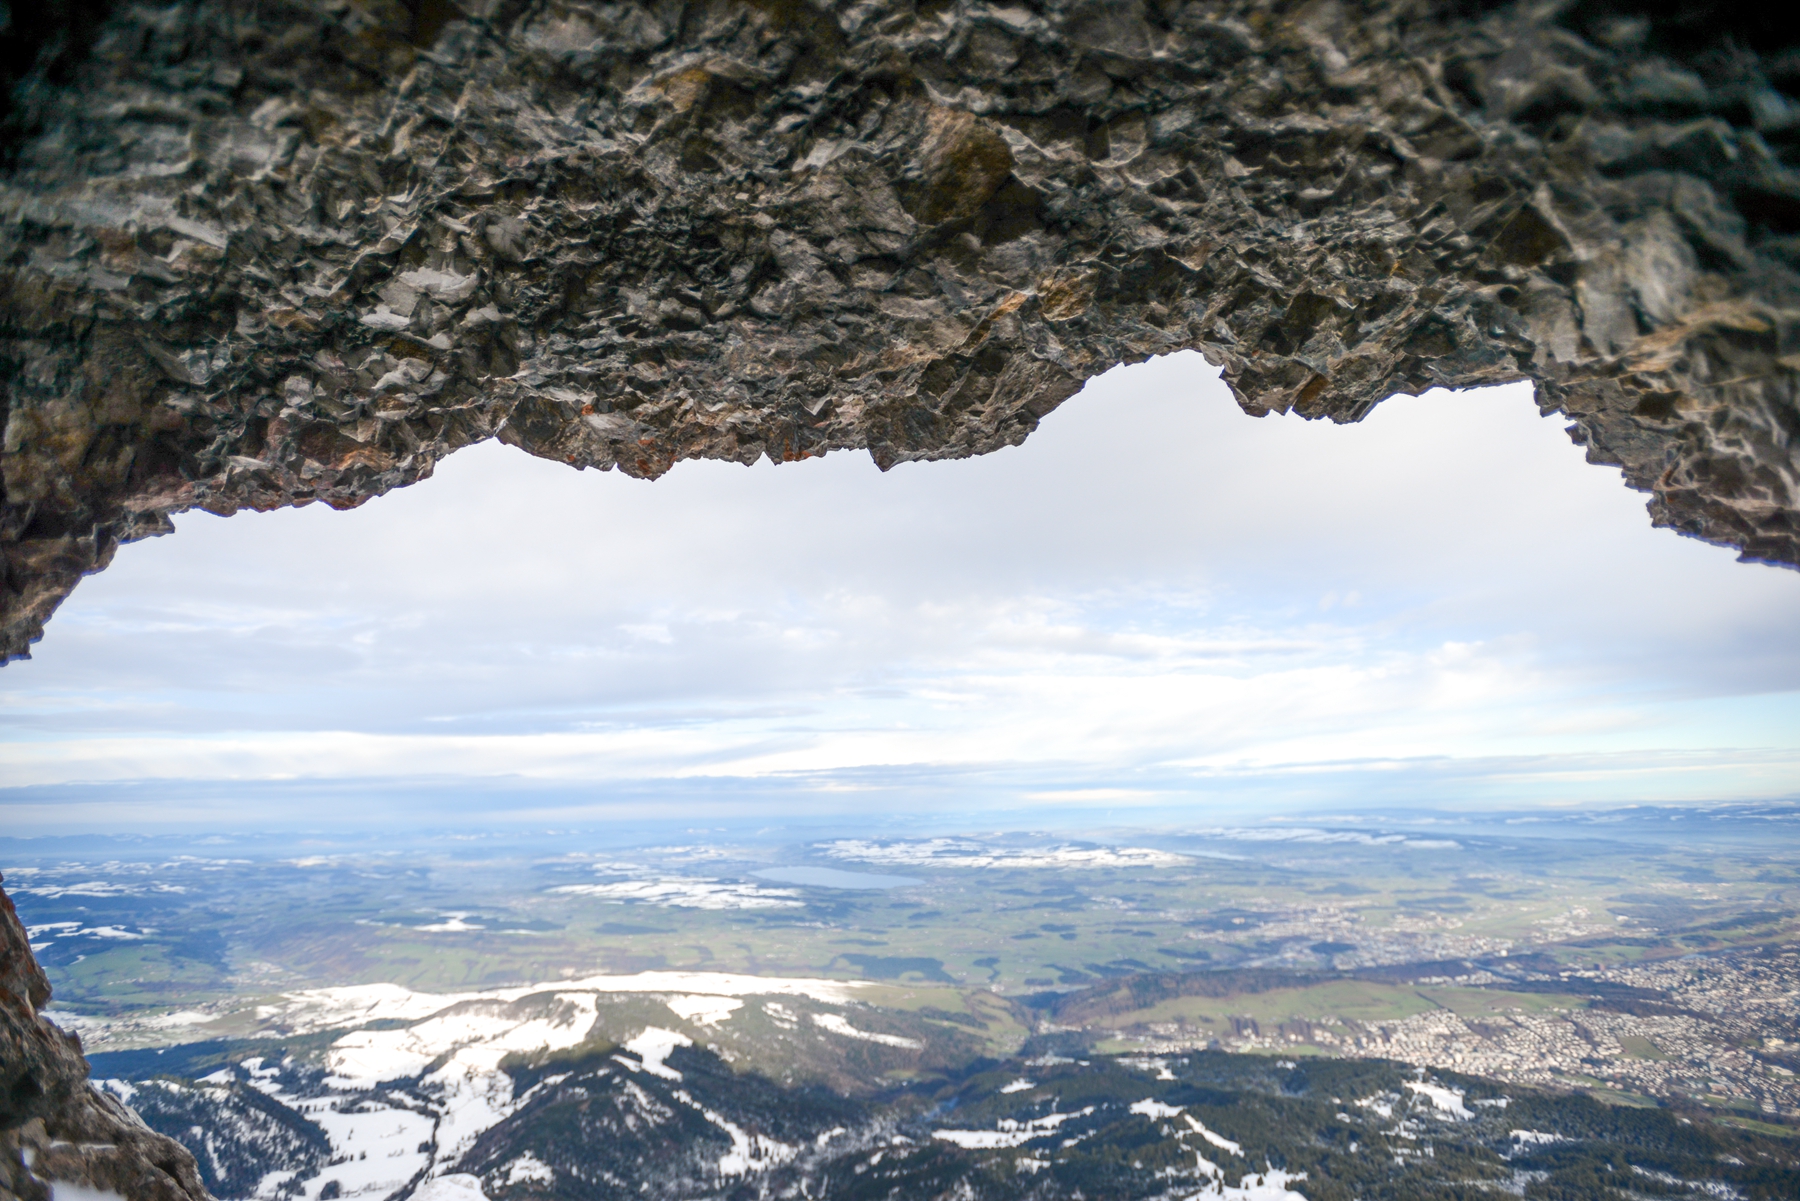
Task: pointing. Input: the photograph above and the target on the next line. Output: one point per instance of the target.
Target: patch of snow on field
(1150, 1063)
(837, 1025)
(652, 1047)
(1212, 1136)
(687, 892)
(1535, 1138)
(455, 1187)
(529, 1169)
(1154, 1109)
(1019, 1085)
(1445, 1100)
(961, 852)
(271, 1186)
(1271, 1185)
(703, 1010)
(1009, 1132)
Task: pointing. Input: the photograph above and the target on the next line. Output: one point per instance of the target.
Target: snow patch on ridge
(1154, 1109)
(1271, 1185)
(1009, 1132)
(837, 1025)
(652, 1047)
(704, 1010)
(310, 1011)
(477, 1035)
(1212, 1136)
(529, 1169)
(456, 1187)
(1445, 1100)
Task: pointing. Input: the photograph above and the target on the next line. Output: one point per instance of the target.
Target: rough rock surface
(55, 1128)
(272, 252)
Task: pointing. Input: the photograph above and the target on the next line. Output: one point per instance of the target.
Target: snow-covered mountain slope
(386, 1088)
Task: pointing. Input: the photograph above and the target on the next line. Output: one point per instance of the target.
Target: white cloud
(1155, 593)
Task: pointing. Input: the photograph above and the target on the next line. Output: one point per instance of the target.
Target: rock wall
(54, 1127)
(275, 252)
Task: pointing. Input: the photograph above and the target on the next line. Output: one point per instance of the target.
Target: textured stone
(283, 251)
(54, 1127)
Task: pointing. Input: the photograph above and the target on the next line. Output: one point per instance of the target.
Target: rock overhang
(293, 251)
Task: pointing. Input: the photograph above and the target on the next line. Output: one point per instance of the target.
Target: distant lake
(831, 877)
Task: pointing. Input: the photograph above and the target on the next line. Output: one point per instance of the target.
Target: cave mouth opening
(1151, 601)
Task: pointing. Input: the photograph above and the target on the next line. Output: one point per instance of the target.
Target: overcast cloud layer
(1156, 602)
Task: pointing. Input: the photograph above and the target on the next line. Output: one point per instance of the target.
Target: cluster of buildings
(1722, 1029)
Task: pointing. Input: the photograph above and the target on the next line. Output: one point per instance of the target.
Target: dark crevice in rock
(286, 251)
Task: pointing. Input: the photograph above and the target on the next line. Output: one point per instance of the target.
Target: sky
(1156, 607)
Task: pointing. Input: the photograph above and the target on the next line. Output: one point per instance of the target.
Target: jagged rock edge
(240, 276)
